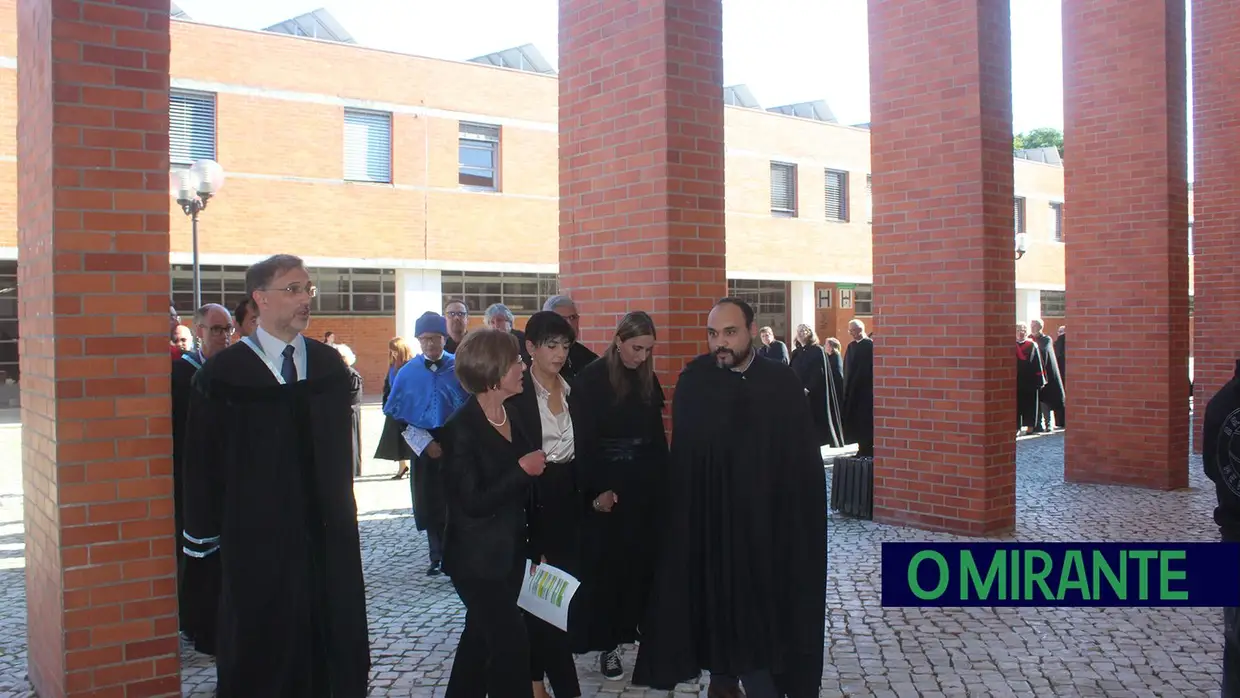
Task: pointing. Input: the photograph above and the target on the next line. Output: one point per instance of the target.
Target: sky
(782, 49)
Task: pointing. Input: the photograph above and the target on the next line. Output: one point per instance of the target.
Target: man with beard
(579, 355)
(198, 578)
(1029, 380)
(858, 412)
(740, 583)
(269, 490)
(457, 315)
(1051, 397)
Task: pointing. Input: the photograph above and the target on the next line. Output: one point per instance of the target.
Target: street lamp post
(1022, 244)
(194, 188)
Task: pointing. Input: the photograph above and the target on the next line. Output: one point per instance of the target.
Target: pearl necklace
(501, 423)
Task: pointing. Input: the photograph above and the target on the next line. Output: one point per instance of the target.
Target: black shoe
(434, 570)
(610, 665)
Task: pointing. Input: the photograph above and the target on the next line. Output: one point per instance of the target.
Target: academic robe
(740, 583)
(621, 447)
(1052, 392)
(813, 369)
(269, 493)
(196, 601)
(424, 399)
(355, 401)
(1061, 357)
(579, 356)
(392, 444)
(1029, 380)
(775, 351)
(858, 412)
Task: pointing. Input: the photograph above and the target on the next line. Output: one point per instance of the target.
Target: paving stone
(415, 621)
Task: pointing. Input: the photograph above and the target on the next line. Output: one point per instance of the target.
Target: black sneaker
(610, 665)
(434, 570)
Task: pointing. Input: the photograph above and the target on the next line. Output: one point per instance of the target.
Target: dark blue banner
(1061, 574)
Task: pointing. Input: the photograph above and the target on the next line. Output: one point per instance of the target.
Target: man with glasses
(424, 394)
(269, 492)
(457, 314)
(579, 355)
(213, 330)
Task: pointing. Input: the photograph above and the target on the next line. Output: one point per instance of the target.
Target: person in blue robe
(424, 394)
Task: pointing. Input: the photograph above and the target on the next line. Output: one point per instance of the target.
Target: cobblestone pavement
(872, 651)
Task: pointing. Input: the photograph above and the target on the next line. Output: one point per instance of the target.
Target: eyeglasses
(297, 289)
(222, 330)
(458, 313)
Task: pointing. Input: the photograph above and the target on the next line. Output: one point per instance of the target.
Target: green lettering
(1072, 576)
(970, 576)
(1102, 568)
(1166, 575)
(1015, 578)
(1143, 577)
(1038, 577)
(944, 575)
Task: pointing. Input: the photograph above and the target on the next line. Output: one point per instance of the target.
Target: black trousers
(551, 657)
(493, 657)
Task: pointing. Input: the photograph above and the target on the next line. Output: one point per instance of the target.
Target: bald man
(214, 330)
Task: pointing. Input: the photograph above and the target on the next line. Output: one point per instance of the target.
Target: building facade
(404, 181)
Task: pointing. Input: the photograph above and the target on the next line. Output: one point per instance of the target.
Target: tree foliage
(1039, 138)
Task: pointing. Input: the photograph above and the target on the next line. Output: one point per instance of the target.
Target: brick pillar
(641, 167)
(941, 140)
(93, 269)
(1126, 227)
(1216, 197)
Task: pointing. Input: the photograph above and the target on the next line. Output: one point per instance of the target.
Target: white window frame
(186, 143)
(470, 135)
(367, 146)
(779, 208)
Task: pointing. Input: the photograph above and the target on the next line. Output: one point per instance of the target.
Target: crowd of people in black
(523, 448)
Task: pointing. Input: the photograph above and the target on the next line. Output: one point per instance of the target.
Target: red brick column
(941, 139)
(1126, 227)
(641, 168)
(1216, 197)
(93, 271)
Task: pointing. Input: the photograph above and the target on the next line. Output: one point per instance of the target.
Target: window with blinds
(835, 191)
(869, 199)
(191, 127)
(1057, 221)
(1020, 214)
(479, 156)
(367, 146)
(783, 189)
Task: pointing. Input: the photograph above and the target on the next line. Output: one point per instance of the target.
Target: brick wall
(97, 469)
(641, 167)
(944, 452)
(1138, 186)
(285, 161)
(368, 337)
(1216, 189)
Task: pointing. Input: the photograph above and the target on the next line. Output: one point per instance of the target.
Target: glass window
(478, 147)
(523, 293)
(341, 291)
(769, 300)
(863, 300)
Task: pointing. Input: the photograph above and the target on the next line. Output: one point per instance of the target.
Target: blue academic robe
(423, 398)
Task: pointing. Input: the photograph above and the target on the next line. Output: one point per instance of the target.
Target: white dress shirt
(557, 430)
(273, 352)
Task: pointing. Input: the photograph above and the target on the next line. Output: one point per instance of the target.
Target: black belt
(559, 462)
(623, 449)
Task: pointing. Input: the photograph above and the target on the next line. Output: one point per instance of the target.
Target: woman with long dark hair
(812, 366)
(622, 461)
(392, 446)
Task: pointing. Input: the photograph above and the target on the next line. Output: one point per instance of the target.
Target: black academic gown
(268, 473)
(812, 368)
(740, 585)
(622, 448)
(579, 356)
(1052, 392)
(775, 351)
(858, 412)
(1061, 356)
(1029, 380)
(197, 600)
(392, 444)
(355, 401)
